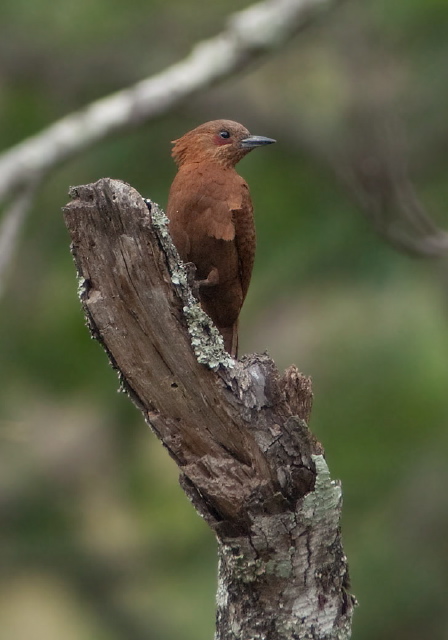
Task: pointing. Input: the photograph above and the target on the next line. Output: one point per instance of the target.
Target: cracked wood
(237, 430)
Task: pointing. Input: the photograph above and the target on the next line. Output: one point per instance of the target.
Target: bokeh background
(97, 540)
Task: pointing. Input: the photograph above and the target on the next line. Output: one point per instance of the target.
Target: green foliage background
(97, 541)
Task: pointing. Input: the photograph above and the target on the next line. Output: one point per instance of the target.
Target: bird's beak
(255, 141)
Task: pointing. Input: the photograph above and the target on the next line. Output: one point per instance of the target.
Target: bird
(211, 219)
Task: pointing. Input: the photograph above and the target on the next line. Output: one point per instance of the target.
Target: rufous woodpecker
(211, 218)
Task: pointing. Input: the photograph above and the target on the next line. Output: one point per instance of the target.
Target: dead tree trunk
(237, 430)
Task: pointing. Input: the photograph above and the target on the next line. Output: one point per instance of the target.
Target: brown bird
(211, 218)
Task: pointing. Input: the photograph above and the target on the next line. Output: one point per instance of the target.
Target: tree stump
(237, 429)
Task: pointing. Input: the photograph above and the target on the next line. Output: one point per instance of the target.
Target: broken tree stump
(236, 429)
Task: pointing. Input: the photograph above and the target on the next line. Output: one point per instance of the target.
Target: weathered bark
(237, 430)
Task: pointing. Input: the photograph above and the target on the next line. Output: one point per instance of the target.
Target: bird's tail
(230, 335)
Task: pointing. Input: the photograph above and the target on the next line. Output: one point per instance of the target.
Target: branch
(237, 430)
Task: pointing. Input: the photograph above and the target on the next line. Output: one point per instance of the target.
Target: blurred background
(97, 540)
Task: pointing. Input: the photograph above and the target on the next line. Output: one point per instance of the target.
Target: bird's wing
(206, 205)
(231, 218)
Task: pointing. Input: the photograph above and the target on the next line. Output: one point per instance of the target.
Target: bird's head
(220, 141)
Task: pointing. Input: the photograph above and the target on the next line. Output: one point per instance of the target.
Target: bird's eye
(224, 134)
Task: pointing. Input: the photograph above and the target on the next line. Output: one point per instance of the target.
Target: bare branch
(236, 430)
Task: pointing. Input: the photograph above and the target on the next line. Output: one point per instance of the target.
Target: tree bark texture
(236, 429)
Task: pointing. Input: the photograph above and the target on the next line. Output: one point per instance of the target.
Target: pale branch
(236, 429)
